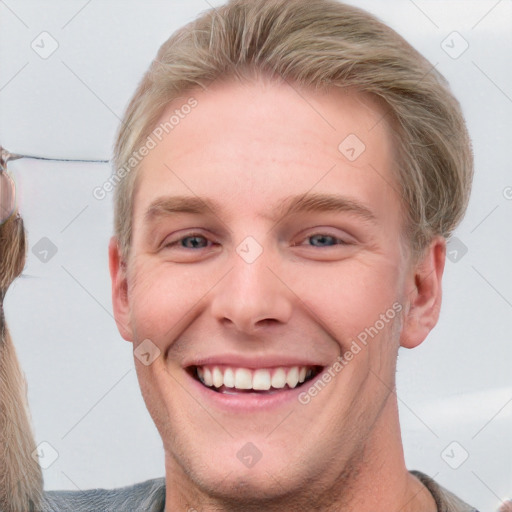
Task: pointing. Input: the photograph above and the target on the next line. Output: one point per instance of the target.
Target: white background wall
(83, 391)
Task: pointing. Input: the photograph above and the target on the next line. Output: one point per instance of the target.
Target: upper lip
(255, 362)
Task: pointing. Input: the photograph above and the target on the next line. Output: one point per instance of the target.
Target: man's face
(233, 289)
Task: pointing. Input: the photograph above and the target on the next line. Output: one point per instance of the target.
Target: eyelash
(192, 235)
(338, 241)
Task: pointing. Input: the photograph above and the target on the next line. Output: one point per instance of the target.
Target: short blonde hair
(316, 44)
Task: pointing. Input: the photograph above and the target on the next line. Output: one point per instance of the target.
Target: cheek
(164, 297)
(350, 298)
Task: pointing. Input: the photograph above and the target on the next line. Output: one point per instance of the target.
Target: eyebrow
(314, 202)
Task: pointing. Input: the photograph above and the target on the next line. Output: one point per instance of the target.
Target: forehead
(263, 139)
(262, 105)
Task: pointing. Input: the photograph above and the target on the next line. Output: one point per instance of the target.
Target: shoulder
(445, 500)
(148, 496)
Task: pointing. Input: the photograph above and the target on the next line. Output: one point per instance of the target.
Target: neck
(377, 480)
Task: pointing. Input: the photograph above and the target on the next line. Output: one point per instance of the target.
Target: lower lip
(250, 402)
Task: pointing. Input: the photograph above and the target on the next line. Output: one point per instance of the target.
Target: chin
(249, 492)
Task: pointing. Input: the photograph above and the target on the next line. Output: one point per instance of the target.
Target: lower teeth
(234, 391)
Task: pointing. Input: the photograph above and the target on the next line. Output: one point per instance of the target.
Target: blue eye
(194, 242)
(324, 240)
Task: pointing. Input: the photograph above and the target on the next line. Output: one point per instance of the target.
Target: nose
(252, 296)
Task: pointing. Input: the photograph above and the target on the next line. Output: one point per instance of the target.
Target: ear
(424, 294)
(120, 302)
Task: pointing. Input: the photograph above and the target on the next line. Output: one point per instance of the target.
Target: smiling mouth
(235, 380)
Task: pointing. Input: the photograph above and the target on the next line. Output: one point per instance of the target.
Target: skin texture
(248, 146)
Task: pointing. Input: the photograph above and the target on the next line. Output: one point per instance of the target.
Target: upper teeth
(260, 379)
